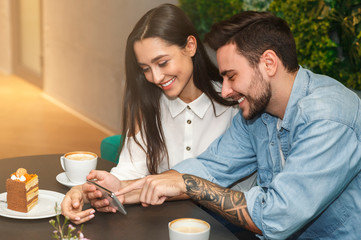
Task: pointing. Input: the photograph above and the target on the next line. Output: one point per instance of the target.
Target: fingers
(94, 195)
(72, 201)
(99, 203)
(86, 187)
(155, 189)
(102, 205)
(95, 174)
(72, 205)
(147, 195)
(107, 209)
(153, 192)
(92, 175)
(133, 186)
(130, 198)
(91, 192)
(81, 217)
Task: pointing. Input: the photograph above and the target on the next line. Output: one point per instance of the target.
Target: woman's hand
(95, 196)
(72, 206)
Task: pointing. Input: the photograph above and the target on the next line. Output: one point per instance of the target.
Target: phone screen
(112, 198)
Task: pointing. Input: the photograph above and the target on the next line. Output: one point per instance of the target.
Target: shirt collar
(198, 106)
(299, 90)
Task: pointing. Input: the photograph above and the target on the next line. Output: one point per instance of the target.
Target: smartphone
(112, 198)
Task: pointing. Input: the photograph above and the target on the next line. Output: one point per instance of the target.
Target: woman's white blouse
(188, 130)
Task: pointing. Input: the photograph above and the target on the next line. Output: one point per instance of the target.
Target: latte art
(80, 156)
(190, 229)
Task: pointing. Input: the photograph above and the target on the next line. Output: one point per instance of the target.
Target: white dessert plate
(44, 209)
(63, 179)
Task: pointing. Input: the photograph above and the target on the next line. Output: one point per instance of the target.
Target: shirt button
(189, 121)
(188, 148)
(188, 107)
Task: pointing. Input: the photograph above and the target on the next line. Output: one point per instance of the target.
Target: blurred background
(62, 71)
(62, 61)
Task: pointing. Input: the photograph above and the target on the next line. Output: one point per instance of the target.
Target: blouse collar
(199, 106)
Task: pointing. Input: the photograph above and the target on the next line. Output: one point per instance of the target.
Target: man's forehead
(226, 55)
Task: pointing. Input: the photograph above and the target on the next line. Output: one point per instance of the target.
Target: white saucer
(63, 179)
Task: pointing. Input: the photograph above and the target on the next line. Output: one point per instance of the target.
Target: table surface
(139, 223)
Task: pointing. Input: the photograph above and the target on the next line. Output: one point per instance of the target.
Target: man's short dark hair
(254, 33)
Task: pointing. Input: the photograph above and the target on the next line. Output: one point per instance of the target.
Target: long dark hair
(142, 98)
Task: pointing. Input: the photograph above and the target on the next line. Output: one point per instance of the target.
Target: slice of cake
(22, 191)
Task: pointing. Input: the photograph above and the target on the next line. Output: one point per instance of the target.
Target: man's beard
(262, 89)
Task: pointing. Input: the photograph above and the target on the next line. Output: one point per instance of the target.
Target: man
(300, 131)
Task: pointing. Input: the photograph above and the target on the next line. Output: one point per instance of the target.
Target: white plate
(63, 179)
(45, 207)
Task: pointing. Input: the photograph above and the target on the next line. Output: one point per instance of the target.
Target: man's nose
(226, 89)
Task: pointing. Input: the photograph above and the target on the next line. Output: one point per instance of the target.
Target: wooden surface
(32, 125)
(139, 223)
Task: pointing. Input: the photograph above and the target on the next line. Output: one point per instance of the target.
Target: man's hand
(72, 206)
(155, 189)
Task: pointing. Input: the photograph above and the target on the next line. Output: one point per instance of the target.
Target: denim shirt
(316, 194)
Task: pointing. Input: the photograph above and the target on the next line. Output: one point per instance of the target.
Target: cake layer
(32, 182)
(32, 203)
(32, 193)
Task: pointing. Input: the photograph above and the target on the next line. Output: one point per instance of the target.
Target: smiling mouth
(168, 83)
(241, 99)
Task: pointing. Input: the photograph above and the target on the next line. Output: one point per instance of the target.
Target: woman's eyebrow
(154, 59)
(157, 58)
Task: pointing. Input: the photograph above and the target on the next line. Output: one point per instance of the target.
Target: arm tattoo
(229, 204)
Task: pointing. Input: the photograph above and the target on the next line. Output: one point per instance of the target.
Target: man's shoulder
(328, 99)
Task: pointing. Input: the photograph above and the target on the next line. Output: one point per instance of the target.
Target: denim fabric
(317, 193)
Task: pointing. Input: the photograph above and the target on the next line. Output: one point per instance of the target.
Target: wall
(84, 45)
(83, 53)
(5, 39)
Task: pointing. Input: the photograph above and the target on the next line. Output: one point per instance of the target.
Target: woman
(172, 108)
(168, 70)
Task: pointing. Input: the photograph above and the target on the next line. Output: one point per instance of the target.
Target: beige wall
(84, 45)
(5, 39)
(83, 49)
(30, 30)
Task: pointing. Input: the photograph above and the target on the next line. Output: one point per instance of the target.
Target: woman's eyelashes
(160, 64)
(163, 63)
(145, 69)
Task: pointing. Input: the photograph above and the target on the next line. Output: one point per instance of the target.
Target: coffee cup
(188, 228)
(78, 164)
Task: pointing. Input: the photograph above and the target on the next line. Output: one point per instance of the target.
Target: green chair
(109, 148)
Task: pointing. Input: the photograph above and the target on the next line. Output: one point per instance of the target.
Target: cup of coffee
(188, 228)
(77, 165)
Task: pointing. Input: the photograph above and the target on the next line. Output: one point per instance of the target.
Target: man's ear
(269, 62)
(191, 46)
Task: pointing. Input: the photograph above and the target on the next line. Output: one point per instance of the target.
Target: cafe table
(140, 222)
